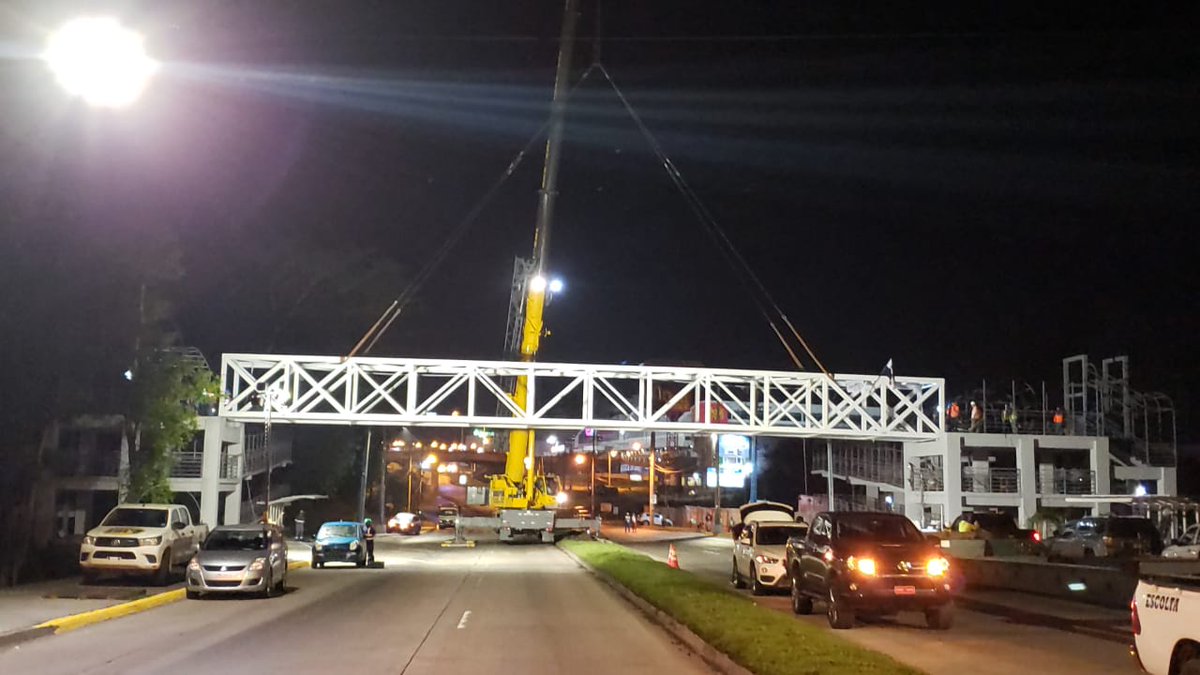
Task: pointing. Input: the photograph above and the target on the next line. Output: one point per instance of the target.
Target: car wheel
(361, 562)
(756, 587)
(193, 595)
(162, 575)
(801, 603)
(840, 616)
(1089, 553)
(940, 618)
(735, 578)
(282, 585)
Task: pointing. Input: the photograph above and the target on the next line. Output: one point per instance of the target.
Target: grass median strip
(764, 641)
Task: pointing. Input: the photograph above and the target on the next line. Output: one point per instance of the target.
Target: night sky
(974, 190)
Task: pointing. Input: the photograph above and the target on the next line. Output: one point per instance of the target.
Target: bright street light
(556, 286)
(637, 446)
(580, 459)
(552, 440)
(100, 61)
(538, 284)
(429, 461)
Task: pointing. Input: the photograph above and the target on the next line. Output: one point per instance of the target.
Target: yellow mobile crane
(524, 497)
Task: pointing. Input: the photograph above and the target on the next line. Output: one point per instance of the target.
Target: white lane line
(462, 623)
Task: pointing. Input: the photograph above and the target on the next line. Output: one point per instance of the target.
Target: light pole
(611, 454)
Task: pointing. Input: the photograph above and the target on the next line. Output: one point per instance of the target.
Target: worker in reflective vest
(954, 412)
(369, 535)
(1058, 420)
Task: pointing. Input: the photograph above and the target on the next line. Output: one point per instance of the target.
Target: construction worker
(953, 413)
(300, 525)
(966, 526)
(628, 521)
(976, 418)
(1058, 420)
(369, 535)
(1010, 417)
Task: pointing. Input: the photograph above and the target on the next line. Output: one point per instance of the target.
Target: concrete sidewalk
(647, 534)
(28, 605)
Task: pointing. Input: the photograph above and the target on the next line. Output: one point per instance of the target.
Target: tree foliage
(169, 388)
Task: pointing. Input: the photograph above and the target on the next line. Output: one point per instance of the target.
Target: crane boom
(520, 486)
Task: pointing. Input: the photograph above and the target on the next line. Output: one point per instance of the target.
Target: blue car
(340, 541)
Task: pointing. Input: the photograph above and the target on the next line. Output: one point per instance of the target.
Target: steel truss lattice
(446, 393)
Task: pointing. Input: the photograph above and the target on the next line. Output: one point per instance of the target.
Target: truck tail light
(1036, 537)
(1134, 621)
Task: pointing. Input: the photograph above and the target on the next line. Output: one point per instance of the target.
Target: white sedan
(1187, 546)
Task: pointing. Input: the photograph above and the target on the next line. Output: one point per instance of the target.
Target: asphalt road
(493, 608)
(981, 644)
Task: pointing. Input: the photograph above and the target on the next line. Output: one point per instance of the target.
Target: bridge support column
(210, 469)
(1100, 469)
(1026, 479)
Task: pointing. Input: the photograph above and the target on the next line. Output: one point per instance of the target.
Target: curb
(66, 624)
(719, 660)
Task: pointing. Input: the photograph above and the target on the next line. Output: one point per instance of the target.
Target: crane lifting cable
(367, 342)
(759, 293)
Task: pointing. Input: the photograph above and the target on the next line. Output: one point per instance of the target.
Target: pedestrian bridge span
(456, 393)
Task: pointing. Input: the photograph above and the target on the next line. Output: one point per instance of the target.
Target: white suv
(759, 544)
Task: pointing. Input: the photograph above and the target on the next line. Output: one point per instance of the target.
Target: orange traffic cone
(672, 559)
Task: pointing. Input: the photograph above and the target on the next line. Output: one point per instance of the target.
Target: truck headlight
(317, 546)
(354, 546)
(864, 566)
(89, 541)
(762, 559)
(937, 567)
(150, 541)
(194, 565)
(258, 564)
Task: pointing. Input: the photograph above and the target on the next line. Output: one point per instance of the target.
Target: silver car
(239, 559)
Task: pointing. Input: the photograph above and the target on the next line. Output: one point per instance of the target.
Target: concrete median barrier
(1103, 586)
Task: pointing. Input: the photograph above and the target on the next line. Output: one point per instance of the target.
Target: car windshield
(777, 535)
(236, 540)
(337, 531)
(886, 529)
(448, 512)
(137, 518)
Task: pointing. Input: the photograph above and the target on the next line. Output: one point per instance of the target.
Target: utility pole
(383, 484)
(829, 472)
(362, 483)
(653, 496)
(408, 482)
(754, 468)
(593, 511)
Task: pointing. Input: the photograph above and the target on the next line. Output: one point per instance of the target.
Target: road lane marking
(462, 623)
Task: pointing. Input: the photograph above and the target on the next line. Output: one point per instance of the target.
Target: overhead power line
(759, 293)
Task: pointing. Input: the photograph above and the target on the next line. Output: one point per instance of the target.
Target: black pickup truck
(868, 563)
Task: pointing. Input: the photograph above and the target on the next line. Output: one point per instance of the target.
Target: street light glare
(556, 286)
(100, 61)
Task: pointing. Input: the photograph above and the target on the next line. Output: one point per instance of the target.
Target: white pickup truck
(1166, 625)
(141, 539)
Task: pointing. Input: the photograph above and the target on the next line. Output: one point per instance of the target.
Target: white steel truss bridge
(454, 393)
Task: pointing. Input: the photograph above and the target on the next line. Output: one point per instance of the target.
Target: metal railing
(991, 480)
(1067, 482)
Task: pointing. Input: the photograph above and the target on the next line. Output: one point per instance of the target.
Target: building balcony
(991, 480)
(1067, 482)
